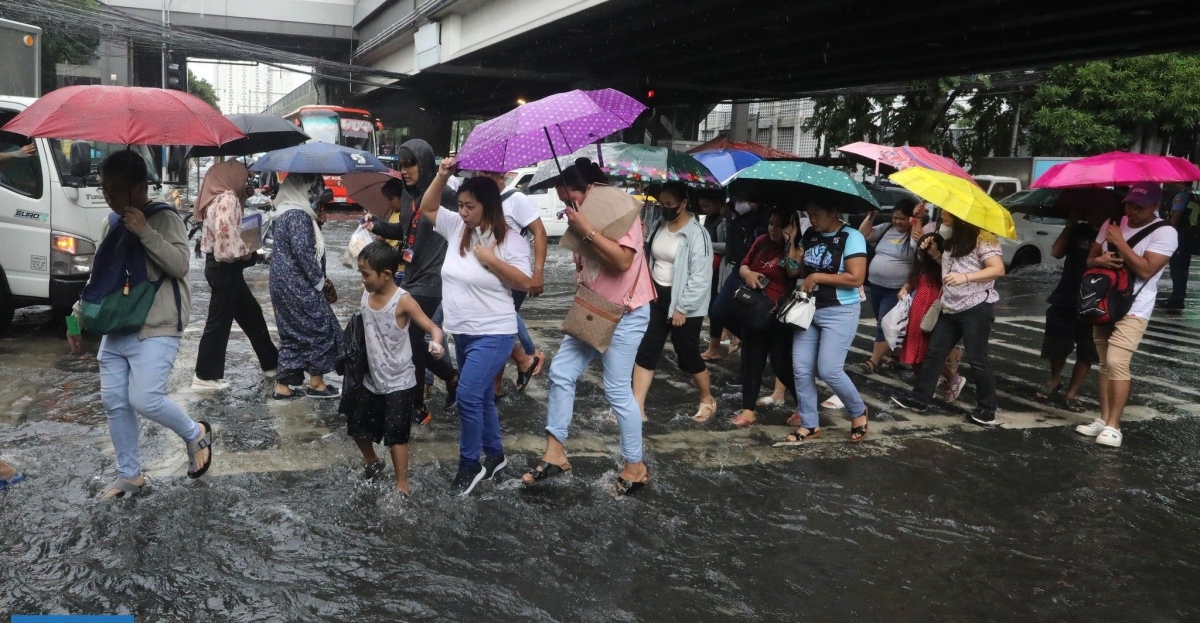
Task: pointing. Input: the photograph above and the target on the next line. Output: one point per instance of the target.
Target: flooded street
(930, 519)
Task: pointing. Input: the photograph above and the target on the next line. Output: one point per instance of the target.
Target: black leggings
(775, 342)
(442, 368)
(685, 339)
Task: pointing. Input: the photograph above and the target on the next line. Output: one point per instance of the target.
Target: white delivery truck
(52, 215)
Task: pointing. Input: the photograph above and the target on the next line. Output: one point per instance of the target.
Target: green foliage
(1101, 106)
(63, 46)
(202, 89)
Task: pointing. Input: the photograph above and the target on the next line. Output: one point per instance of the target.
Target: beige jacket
(166, 244)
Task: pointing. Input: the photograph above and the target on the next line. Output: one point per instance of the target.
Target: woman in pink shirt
(619, 274)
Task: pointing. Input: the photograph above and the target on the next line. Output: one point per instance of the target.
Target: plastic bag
(358, 241)
(895, 323)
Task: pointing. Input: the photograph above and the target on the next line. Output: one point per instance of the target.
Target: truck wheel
(1026, 257)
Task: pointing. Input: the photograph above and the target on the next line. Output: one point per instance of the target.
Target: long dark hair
(487, 193)
(964, 239)
(770, 249)
(923, 263)
(582, 174)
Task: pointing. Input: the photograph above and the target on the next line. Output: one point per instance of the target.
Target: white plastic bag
(895, 322)
(358, 241)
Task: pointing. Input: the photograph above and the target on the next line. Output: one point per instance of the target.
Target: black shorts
(387, 418)
(1066, 333)
(685, 339)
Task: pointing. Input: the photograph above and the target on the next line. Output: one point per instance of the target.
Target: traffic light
(176, 71)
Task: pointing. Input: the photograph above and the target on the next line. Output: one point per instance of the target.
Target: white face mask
(945, 231)
(741, 207)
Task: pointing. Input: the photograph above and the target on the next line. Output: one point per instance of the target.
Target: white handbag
(798, 311)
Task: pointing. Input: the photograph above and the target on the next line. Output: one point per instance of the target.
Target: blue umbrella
(319, 158)
(725, 163)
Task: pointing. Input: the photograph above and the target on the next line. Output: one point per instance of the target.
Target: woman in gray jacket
(680, 254)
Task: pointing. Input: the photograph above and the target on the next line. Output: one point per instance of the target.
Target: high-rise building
(775, 124)
(249, 87)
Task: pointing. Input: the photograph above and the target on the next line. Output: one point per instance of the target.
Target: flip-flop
(524, 377)
(705, 407)
(741, 421)
(540, 361)
(205, 441)
(543, 471)
(770, 401)
(123, 488)
(1075, 405)
(1047, 392)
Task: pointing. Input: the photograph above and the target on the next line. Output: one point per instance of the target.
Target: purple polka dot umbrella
(558, 124)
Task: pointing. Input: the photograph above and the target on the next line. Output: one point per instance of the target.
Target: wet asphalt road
(930, 519)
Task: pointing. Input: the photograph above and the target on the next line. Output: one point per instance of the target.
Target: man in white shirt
(1116, 343)
(522, 216)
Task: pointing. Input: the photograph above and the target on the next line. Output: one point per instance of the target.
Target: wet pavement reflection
(931, 519)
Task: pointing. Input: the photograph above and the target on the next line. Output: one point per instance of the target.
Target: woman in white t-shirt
(484, 263)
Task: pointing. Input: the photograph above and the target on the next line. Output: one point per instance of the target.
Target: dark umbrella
(263, 133)
(1062, 201)
(319, 158)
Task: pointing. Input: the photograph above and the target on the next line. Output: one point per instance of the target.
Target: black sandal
(524, 377)
(626, 487)
(204, 442)
(797, 438)
(544, 470)
(858, 433)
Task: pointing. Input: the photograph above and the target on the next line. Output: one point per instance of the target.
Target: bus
(349, 127)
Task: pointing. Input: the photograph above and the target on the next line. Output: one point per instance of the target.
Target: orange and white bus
(349, 127)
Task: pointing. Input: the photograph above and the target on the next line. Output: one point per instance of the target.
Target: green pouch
(119, 313)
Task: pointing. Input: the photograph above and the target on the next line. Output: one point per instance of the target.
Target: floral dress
(310, 336)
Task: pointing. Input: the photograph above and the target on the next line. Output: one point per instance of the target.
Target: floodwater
(930, 519)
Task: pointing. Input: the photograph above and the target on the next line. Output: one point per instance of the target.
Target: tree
(62, 46)
(202, 89)
(1147, 103)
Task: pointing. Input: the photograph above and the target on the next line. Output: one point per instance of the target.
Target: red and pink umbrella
(1118, 168)
(891, 159)
(125, 116)
(559, 124)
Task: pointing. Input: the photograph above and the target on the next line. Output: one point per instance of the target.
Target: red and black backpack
(1106, 294)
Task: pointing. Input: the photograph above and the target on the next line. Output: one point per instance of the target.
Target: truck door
(24, 216)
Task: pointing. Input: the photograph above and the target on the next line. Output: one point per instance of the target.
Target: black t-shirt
(1066, 294)
(742, 231)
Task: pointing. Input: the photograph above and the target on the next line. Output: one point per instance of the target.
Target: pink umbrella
(559, 124)
(891, 159)
(1118, 168)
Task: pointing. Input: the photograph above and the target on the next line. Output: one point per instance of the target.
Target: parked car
(998, 187)
(887, 196)
(545, 199)
(1038, 226)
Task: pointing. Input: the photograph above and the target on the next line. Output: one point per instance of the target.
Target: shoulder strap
(1141, 235)
(508, 193)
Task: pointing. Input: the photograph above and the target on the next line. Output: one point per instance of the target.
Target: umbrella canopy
(762, 151)
(559, 124)
(794, 184)
(1118, 168)
(263, 133)
(364, 189)
(1064, 200)
(124, 116)
(725, 163)
(320, 158)
(891, 159)
(631, 163)
(963, 199)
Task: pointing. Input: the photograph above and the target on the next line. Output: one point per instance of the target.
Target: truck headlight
(70, 255)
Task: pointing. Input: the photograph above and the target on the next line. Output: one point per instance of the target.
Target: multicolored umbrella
(888, 159)
(632, 164)
(725, 163)
(795, 184)
(963, 199)
(559, 124)
(124, 116)
(1118, 168)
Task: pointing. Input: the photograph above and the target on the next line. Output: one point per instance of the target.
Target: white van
(52, 215)
(545, 199)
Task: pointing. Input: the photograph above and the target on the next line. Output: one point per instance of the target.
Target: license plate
(339, 199)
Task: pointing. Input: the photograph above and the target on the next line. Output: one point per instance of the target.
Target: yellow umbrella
(960, 197)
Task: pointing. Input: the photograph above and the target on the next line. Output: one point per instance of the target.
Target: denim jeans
(480, 359)
(523, 336)
(573, 358)
(133, 379)
(882, 301)
(973, 326)
(821, 351)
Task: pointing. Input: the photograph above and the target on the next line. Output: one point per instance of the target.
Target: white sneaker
(200, 385)
(1091, 430)
(1110, 437)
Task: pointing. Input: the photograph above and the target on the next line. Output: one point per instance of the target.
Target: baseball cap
(1145, 194)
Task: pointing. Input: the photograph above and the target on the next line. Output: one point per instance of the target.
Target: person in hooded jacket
(310, 335)
(422, 253)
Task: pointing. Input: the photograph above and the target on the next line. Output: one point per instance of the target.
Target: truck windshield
(78, 162)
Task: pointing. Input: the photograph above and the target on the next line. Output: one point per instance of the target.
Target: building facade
(776, 124)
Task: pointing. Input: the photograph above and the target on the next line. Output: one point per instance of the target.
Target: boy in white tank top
(383, 409)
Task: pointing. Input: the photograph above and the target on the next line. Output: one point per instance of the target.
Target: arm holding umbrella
(432, 201)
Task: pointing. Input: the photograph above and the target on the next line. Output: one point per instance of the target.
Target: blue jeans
(480, 359)
(821, 351)
(523, 336)
(574, 356)
(133, 379)
(882, 301)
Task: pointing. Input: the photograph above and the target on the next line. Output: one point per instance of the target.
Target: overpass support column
(739, 121)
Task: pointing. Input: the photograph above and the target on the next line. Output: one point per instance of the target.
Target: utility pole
(166, 22)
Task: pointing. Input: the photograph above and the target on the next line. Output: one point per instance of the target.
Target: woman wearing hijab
(226, 256)
(422, 251)
(309, 333)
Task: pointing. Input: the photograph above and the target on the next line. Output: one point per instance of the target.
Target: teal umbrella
(794, 184)
(632, 163)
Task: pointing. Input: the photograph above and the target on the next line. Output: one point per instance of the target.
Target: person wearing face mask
(681, 267)
(226, 256)
(485, 263)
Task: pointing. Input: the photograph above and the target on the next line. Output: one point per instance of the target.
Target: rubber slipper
(524, 377)
(769, 401)
(1047, 392)
(205, 441)
(798, 439)
(705, 412)
(741, 421)
(544, 470)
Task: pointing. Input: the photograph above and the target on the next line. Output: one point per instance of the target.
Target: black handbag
(753, 308)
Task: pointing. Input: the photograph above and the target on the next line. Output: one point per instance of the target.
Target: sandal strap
(124, 486)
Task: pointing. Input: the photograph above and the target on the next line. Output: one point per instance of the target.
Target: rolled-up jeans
(821, 351)
(573, 358)
(133, 380)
